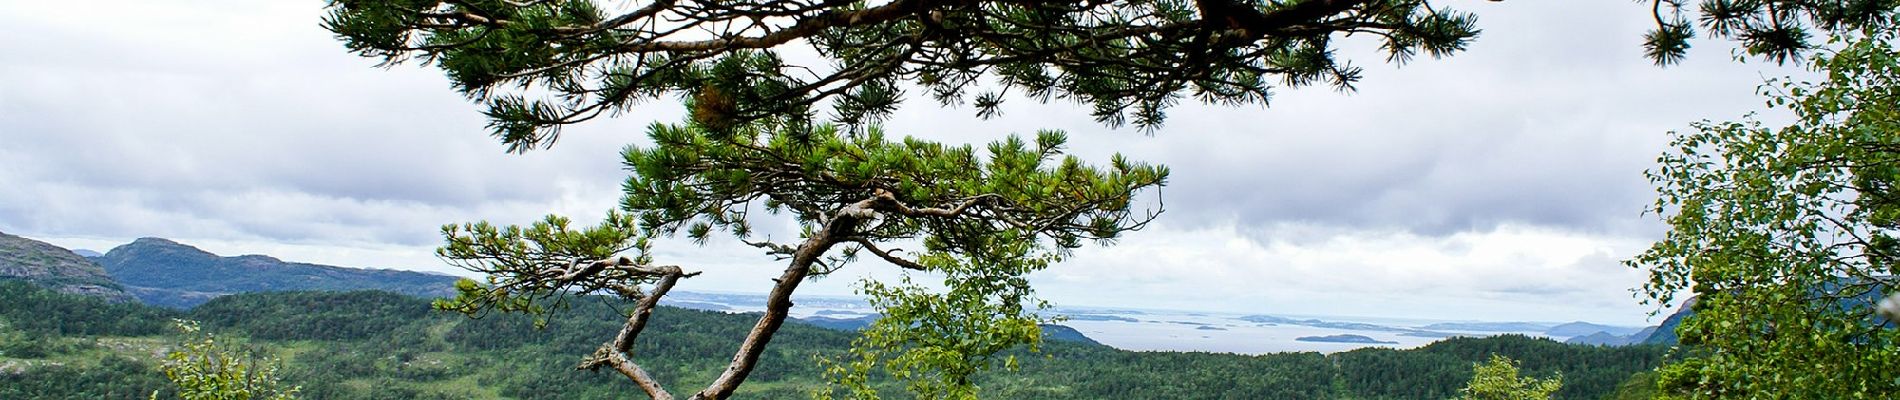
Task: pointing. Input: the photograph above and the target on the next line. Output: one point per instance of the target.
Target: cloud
(1504, 181)
(246, 121)
(1511, 272)
(1537, 123)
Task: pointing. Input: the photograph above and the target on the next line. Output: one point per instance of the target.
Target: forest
(379, 345)
(785, 135)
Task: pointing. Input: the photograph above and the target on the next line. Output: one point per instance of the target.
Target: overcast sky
(1504, 183)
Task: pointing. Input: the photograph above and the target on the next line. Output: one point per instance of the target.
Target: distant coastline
(1342, 338)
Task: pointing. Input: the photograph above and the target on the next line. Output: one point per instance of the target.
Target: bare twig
(893, 259)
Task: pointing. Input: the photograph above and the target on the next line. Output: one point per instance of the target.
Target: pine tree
(754, 139)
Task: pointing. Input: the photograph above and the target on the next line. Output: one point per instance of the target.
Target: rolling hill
(167, 273)
(55, 267)
(375, 345)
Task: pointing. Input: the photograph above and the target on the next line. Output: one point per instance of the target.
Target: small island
(1342, 338)
(1099, 317)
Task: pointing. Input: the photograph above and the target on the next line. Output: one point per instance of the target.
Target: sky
(1502, 183)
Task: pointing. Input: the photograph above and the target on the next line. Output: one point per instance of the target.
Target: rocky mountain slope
(54, 267)
(167, 273)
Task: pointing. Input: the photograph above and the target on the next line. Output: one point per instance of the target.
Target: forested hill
(55, 267)
(1843, 290)
(375, 345)
(166, 273)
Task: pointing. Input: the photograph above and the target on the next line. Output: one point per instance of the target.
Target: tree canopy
(1128, 60)
(1787, 236)
(206, 367)
(756, 77)
(982, 221)
(1497, 379)
(411, 353)
(1779, 30)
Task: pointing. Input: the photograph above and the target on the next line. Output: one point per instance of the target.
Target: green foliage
(417, 354)
(513, 258)
(26, 332)
(18, 344)
(1439, 370)
(1126, 59)
(1779, 30)
(753, 141)
(1497, 380)
(699, 181)
(78, 315)
(1787, 237)
(936, 343)
(109, 377)
(982, 221)
(310, 315)
(208, 368)
(1641, 386)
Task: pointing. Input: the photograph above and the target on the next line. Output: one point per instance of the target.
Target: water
(1169, 330)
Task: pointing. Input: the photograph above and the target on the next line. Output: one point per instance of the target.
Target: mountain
(1665, 334)
(55, 267)
(166, 273)
(1643, 335)
(1061, 333)
(1581, 328)
(87, 253)
(1602, 338)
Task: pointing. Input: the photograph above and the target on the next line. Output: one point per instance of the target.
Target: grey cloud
(1540, 290)
(253, 123)
(1526, 126)
(1513, 273)
(1539, 122)
(241, 120)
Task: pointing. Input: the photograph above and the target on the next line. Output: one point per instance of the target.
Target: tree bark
(778, 303)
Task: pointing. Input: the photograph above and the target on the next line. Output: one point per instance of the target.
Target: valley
(339, 341)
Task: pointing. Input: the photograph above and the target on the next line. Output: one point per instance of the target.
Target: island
(1342, 338)
(1098, 317)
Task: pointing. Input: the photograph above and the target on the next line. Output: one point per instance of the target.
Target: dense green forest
(362, 345)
